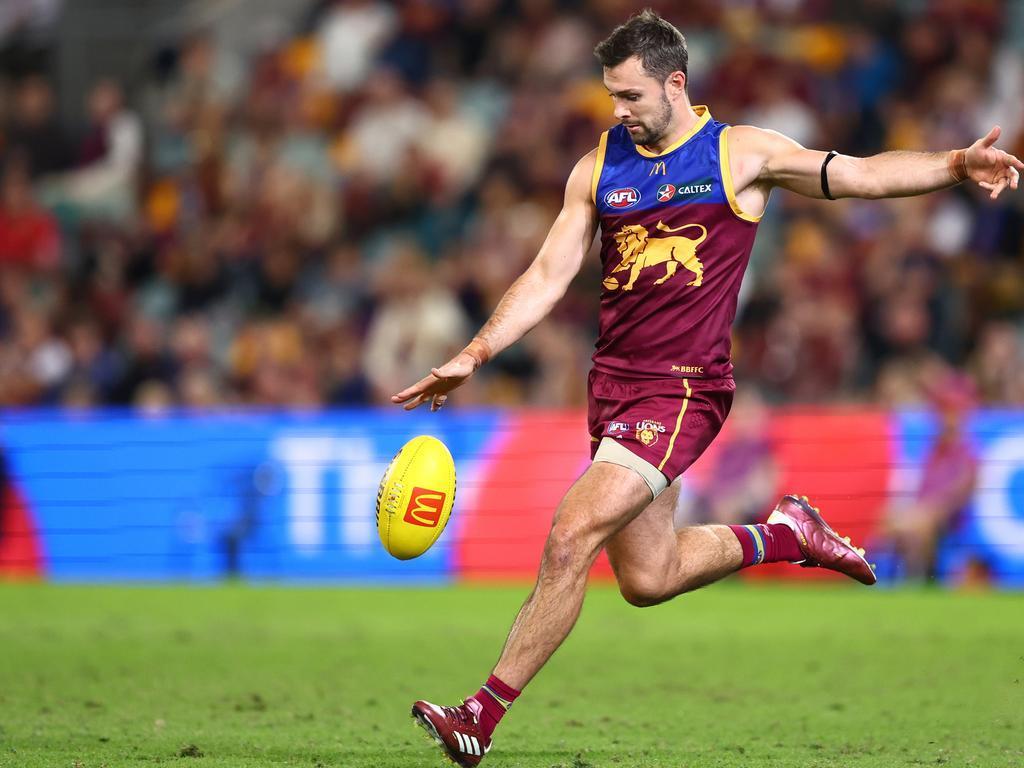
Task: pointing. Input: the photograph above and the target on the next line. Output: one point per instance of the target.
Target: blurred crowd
(320, 218)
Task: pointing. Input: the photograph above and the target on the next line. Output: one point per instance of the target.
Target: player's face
(641, 102)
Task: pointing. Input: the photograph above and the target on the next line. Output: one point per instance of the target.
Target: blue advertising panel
(271, 496)
(990, 531)
(116, 496)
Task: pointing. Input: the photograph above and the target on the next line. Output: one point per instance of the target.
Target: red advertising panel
(20, 551)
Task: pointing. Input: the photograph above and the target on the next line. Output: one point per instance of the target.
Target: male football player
(677, 196)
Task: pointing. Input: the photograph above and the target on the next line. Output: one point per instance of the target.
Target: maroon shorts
(666, 422)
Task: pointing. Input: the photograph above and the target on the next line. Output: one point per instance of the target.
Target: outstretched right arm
(530, 298)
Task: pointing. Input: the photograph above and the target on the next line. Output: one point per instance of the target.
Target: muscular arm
(533, 295)
(530, 298)
(762, 159)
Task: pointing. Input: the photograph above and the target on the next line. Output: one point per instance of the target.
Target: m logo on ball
(424, 507)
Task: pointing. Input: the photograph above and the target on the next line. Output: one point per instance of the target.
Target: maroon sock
(764, 543)
(495, 697)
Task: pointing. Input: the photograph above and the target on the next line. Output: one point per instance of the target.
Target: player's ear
(675, 84)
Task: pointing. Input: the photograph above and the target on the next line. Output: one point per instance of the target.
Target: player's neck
(687, 119)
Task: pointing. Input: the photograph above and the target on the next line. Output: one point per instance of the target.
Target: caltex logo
(666, 192)
(623, 197)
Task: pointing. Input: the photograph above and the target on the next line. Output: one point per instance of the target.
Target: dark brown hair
(660, 46)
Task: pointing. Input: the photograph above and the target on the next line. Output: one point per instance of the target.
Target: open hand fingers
(436, 401)
(1010, 177)
(416, 389)
(994, 188)
(1012, 161)
(435, 387)
(416, 402)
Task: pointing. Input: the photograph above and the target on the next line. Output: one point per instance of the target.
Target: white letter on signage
(305, 459)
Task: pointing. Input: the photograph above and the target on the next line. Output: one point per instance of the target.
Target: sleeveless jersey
(674, 246)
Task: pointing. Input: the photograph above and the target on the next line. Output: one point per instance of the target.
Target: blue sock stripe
(758, 539)
(505, 703)
(753, 541)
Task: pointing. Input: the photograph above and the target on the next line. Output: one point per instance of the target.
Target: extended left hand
(434, 388)
(992, 168)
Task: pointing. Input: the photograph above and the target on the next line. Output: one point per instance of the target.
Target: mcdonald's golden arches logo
(424, 507)
(658, 168)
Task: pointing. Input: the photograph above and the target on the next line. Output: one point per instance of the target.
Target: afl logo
(624, 197)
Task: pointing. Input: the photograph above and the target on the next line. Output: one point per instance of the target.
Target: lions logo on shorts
(647, 431)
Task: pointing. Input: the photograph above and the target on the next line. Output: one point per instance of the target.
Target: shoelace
(459, 715)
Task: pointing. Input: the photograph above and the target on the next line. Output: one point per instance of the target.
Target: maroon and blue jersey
(674, 246)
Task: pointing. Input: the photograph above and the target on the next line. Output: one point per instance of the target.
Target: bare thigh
(605, 500)
(647, 548)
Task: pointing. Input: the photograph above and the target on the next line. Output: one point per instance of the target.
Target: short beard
(656, 131)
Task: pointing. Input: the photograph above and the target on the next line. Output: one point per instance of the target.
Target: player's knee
(643, 591)
(566, 548)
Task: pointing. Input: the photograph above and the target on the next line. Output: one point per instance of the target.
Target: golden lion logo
(639, 250)
(647, 431)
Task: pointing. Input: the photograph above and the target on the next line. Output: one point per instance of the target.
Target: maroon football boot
(822, 546)
(456, 729)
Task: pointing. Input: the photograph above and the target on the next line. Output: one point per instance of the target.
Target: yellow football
(415, 497)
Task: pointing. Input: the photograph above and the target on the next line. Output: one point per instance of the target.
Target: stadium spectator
(109, 157)
(913, 532)
(351, 34)
(35, 135)
(29, 237)
(413, 324)
(26, 34)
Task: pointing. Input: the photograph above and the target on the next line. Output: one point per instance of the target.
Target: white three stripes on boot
(468, 744)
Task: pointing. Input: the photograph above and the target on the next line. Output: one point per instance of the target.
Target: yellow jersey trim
(602, 147)
(730, 191)
(679, 423)
(703, 115)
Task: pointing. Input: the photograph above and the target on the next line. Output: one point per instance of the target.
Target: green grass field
(730, 676)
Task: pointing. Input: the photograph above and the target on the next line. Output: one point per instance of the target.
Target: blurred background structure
(306, 204)
(200, 211)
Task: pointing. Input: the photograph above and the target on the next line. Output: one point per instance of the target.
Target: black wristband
(824, 174)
